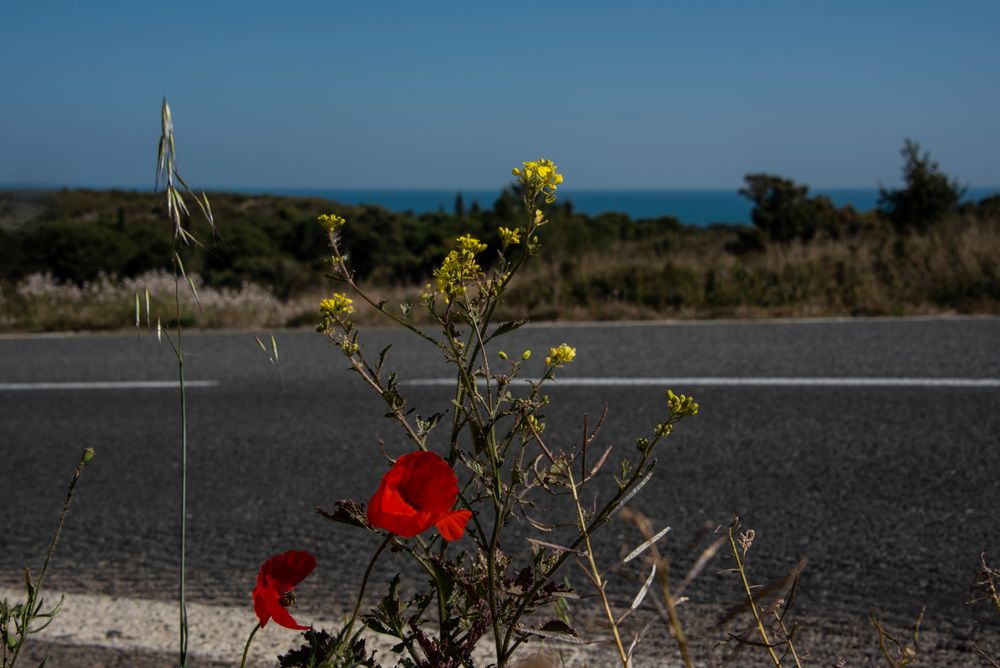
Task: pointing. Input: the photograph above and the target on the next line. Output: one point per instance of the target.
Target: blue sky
(340, 94)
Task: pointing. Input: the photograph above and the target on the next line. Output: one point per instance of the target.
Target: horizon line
(278, 190)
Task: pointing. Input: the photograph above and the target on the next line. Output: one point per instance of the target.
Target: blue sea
(692, 207)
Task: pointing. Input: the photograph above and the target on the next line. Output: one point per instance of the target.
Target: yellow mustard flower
(458, 267)
(560, 355)
(470, 244)
(539, 177)
(338, 305)
(509, 237)
(331, 222)
(681, 405)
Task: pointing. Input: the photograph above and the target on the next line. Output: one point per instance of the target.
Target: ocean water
(692, 207)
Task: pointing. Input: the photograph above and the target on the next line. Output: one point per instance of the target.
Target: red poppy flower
(276, 581)
(417, 492)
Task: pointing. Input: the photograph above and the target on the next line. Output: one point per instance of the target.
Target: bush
(929, 195)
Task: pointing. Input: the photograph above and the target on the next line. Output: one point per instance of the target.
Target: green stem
(183, 582)
(753, 604)
(246, 648)
(595, 572)
(602, 516)
(364, 584)
(35, 591)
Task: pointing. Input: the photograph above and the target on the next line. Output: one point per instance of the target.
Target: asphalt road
(890, 489)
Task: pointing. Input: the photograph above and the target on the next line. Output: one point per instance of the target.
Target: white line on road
(712, 381)
(108, 385)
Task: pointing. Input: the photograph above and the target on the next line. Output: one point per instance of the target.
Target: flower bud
(502, 355)
(88, 454)
(526, 355)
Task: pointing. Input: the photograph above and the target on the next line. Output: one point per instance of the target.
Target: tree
(459, 206)
(784, 211)
(929, 195)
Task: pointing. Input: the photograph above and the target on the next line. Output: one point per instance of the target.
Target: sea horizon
(691, 206)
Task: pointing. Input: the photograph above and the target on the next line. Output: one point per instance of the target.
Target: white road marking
(108, 385)
(717, 381)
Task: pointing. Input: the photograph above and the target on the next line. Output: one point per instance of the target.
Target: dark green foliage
(928, 196)
(988, 208)
(11, 257)
(320, 650)
(78, 251)
(783, 209)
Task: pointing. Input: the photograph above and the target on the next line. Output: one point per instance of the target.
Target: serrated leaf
(348, 512)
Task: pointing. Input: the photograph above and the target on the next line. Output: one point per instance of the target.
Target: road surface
(869, 447)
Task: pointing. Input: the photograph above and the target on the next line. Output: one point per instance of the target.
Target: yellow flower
(331, 222)
(458, 267)
(470, 244)
(539, 177)
(681, 405)
(509, 237)
(337, 306)
(560, 355)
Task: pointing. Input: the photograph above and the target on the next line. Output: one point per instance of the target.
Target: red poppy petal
(452, 525)
(431, 485)
(260, 605)
(288, 569)
(282, 617)
(390, 511)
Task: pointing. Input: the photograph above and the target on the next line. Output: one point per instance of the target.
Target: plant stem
(788, 639)
(364, 584)
(753, 604)
(179, 350)
(246, 648)
(596, 573)
(34, 593)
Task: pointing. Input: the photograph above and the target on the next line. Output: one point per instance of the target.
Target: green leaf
(506, 328)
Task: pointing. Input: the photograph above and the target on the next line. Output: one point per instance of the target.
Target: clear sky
(422, 94)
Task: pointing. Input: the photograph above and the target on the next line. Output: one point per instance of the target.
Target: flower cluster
(331, 222)
(539, 177)
(336, 306)
(458, 267)
(560, 355)
(681, 405)
(509, 237)
(678, 406)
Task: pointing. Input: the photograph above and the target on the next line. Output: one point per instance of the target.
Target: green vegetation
(920, 252)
